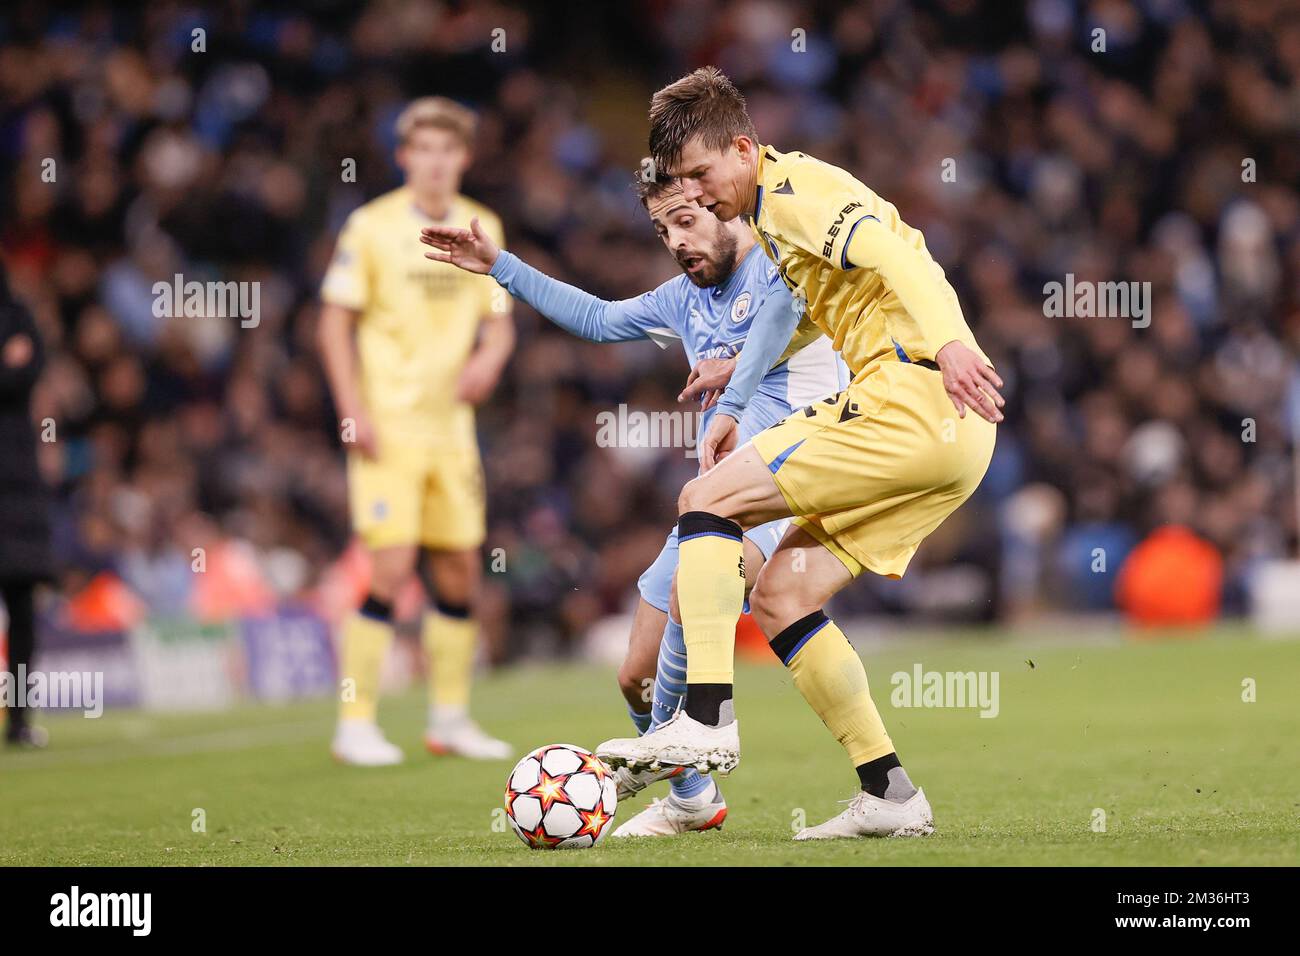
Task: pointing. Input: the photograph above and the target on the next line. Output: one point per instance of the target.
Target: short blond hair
(437, 112)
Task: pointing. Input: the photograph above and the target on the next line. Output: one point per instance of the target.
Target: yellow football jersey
(806, 213)
(419, 319)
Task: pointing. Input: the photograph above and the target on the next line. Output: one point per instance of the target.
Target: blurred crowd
(135, 148)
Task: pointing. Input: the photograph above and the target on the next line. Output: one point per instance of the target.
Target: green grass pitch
(1155, 734)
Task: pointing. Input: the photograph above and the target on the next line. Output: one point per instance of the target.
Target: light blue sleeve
(769, 333)
(583, 314)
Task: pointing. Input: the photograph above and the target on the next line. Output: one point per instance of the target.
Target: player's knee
(450, 579)
(386, 580)
(455, 590)
(773, 607)
(763, 611)
(696, 496)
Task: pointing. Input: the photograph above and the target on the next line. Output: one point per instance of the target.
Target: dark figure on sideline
(25, 557)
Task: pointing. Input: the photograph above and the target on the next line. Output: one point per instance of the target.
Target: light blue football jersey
(710, 322)
(713, 322)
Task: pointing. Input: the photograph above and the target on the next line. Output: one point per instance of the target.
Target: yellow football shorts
(431, 499)
(872, 470)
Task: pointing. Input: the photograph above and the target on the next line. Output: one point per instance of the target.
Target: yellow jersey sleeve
(829, 214)
(347, 281)
(912, 276)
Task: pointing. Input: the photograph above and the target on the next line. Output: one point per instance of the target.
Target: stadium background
(226, 164)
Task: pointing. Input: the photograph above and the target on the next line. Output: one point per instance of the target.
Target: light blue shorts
(656, 583)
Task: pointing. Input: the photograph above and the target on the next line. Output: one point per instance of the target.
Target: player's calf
(634, 684)
(702, 733)
(829, 674)
(711, 574)
(711, 593)
(636, 673)
(450, 633)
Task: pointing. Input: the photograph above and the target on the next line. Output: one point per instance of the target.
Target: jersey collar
(453, 210)
(766, 154)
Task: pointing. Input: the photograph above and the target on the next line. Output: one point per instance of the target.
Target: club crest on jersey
(740, 308)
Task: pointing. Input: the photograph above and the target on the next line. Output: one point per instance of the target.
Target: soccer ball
(561, 797)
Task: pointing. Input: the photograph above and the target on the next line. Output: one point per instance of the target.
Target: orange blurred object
(750, 642)
(104, 604)
(231, 584)
(1172, 577)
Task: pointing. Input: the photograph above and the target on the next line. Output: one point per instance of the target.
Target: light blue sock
(670, 688)
(642, 721)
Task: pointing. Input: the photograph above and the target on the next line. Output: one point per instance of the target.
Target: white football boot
(671, 816)
(869, 816)
(360, 743)
(680, 741)
(462, 737)
(630, 784)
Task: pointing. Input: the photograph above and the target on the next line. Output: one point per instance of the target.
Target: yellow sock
(710, 594)
(365, 645)
(449, 644)
(828, 672)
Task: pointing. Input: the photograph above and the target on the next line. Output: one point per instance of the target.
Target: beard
(720, 263)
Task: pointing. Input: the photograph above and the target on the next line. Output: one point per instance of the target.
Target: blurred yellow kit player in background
(410, 346)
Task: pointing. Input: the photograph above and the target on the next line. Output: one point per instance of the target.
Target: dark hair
(648, 183)
(705, 104)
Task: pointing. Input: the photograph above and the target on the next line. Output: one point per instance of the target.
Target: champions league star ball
(561, 797)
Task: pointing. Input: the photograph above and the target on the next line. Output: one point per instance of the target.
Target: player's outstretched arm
(577, 312)
(470, 249)
(969, 382)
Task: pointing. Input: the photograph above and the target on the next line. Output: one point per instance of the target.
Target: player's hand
(361, 436)
(719, 441)
(469, 249)
(969, 382)
(478, 377)
(708, 380)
